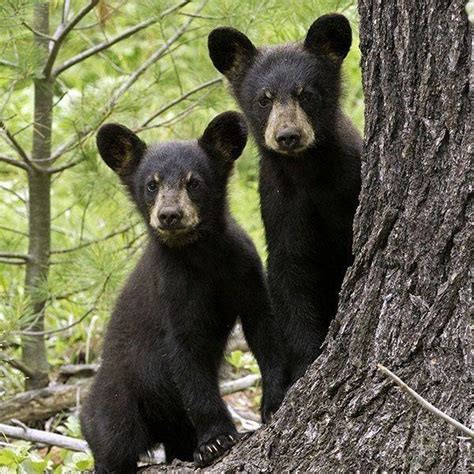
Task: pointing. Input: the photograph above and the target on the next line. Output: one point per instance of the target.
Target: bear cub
(158, 381)
(309, 171)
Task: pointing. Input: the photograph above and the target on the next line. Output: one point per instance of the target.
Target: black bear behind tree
(158, 379)
(309, 171)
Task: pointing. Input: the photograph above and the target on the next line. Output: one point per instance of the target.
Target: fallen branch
(54, 439)
(424, 403)
(246, 423)
(43, 437)
(36, 405)
(40, 404)
(239, 384)
(78, 370)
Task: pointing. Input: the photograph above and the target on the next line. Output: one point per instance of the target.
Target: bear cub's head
(179, 187)
(289, 93)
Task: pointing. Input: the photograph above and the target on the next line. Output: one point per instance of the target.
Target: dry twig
(424, 403)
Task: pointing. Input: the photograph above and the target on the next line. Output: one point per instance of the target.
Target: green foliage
(21, 458)
(77, 462)
(18, 458)
(96, 233)
(242, 360)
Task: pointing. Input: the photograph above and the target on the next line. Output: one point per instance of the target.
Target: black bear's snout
(288, 138)
(170, 217)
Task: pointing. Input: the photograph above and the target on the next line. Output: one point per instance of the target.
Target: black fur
(308, 198)
(158, 381)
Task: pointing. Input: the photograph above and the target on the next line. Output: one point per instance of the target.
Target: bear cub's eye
(152, 186)
(264, 101)
(193, 183)
(304, 95)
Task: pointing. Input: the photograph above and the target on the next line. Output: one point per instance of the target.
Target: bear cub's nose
(170, 217)
(288, 138)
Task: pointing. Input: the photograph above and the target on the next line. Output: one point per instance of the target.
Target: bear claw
(214, 448)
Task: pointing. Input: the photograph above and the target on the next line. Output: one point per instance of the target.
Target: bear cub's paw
(214, 448)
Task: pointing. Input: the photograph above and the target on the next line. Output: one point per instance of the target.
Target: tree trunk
(404, 302)
(39, 213)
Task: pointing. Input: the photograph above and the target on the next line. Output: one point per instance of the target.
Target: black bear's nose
(169, 217)
(288, 138)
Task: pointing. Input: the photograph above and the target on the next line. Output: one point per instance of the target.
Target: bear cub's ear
(230, 51)
(120, 148)
(225, 136)
(330, 35)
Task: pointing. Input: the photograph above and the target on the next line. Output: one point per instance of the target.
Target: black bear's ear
(230, 51)
(120, 148)
(225, 136)
(330, 35)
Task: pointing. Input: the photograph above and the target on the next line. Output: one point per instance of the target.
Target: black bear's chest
(304, 211)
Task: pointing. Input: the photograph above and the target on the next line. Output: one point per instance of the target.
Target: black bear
(309, 171)
(158, 381)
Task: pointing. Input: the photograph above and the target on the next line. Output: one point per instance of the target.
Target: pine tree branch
(107, 44)
(36, 32)
(151, 60)
(66, 296)
(66, 166)
(19, 149)
(83, 134)
(424, 403)
(16, 364)
(95, 241)
(176, 101)
(71, 144)
(14, 256)
(62, 33)
(13, 162)
(9, 229)
(4, 62)
(74, 323)
(65, 11)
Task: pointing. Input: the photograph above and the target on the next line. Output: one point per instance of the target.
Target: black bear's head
(290, 93)
(179, 187)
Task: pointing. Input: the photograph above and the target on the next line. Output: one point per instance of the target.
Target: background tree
(405, 301)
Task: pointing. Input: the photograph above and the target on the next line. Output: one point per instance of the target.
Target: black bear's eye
(151, 186)
(264, 101)
(305, 96)
(193, 184)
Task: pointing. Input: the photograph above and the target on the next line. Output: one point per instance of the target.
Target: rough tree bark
(39, 212)
(404, 302)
